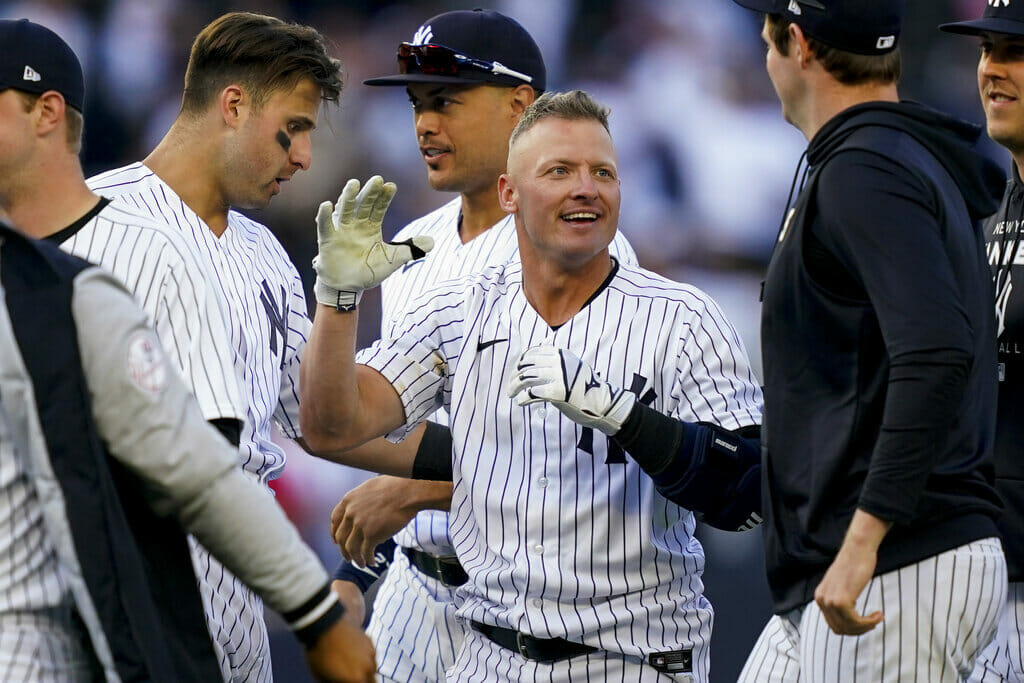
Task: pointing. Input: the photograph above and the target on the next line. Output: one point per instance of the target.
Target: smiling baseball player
(578, 567)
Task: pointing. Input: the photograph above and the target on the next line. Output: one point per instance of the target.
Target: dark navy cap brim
(986, 25)
(766, 6)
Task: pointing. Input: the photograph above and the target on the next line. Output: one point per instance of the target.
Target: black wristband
(651, 438)
(434, 456)
(311, 619)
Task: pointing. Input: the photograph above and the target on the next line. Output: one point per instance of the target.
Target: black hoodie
(878, 338)
(1006, 254)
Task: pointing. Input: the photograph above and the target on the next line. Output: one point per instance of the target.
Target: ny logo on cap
(999, 3)
(424, 34)
(31, 74)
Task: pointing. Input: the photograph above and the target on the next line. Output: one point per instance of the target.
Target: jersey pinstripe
(30, 576)
(562, 535)
(157, 266)
(938, 615)
(449, 259)
(267, 327)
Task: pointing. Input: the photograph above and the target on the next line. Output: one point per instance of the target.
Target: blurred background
(706, 162)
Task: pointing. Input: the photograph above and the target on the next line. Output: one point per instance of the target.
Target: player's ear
(49, 110)
(522, 97)
(798, 42)
(232, 104)
(507, 196)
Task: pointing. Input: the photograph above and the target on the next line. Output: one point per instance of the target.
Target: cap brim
(405, 79)
(987, 25)
(766, 6)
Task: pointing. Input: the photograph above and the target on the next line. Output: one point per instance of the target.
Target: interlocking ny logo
(999, 3)
(615, 453)
(424, 34)
(278, 319)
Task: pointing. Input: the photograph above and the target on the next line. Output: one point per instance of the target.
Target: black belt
(447, 570)
(537, 649)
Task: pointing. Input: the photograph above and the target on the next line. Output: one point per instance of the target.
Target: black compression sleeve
(700, 466)
(434, 455)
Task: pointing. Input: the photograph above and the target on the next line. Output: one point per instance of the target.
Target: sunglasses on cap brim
(438, 60)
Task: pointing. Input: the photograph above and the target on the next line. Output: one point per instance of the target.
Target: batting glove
(353, 255)
(545, 373)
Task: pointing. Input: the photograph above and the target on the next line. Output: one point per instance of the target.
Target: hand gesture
(353, 255)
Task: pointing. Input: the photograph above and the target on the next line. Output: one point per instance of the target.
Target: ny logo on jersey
(424, 34)
(615, 453)
(277, 319)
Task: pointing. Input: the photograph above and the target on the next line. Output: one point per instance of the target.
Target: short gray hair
(575, 105)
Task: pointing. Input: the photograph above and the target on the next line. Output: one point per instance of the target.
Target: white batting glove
(545, 373)
(353, 255)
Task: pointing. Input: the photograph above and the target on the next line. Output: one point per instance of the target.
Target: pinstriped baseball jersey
(267, 327)
(157, 266)
(267, 318)
(449, 259)
(561, 533)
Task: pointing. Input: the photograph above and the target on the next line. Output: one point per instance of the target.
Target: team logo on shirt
(615, 453)
(278, 319)
(147, 366)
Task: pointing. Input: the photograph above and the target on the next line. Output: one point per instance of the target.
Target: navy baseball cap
(469, 46)
(34, 59)
(999, 17)
(863, 27)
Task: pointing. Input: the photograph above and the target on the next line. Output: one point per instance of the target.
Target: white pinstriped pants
(939, 614)
(1003, 659)
(45, 646)
(413, 626)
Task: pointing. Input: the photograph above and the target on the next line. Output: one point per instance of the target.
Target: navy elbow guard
(700, 466)
(364, 577)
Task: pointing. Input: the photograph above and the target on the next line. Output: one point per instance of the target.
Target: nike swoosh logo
(483, 345)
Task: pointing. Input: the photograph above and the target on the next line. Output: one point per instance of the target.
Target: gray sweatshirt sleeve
(152, 424)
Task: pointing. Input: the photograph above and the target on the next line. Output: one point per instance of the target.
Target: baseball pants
(1002, 660)
(234, 616)
(939, 614)
(45, 646)
(413, 626)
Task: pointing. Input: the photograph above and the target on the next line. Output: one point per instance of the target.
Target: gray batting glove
(545, 373)
(353, 254)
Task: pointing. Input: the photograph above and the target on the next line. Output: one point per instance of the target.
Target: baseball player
(463, 115)
(578, 567)
(877, 333)
(103, 453)
(1000, 75)
(240, 135)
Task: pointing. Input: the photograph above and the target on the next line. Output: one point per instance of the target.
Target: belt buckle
(521, 645)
